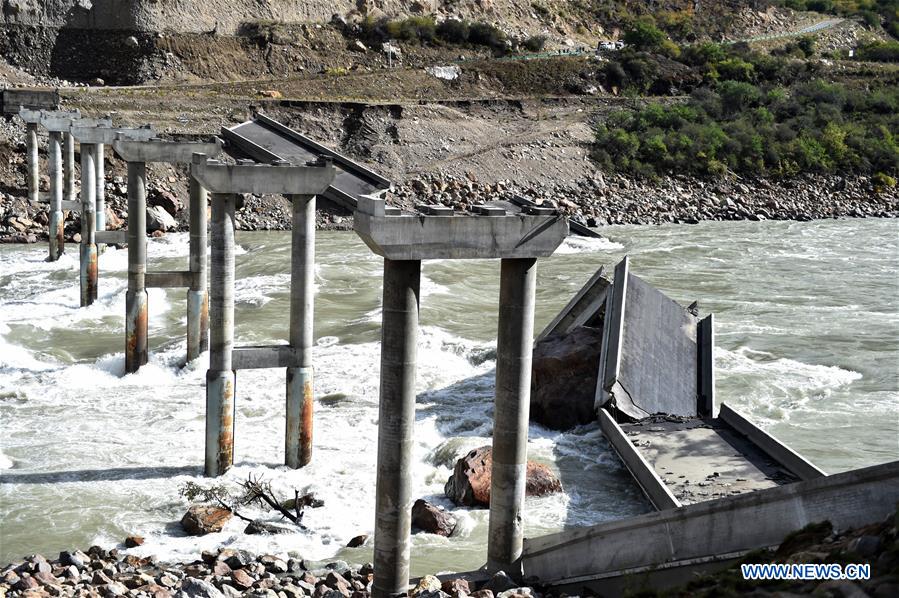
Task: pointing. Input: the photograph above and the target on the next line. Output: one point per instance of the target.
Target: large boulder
(205, 519)
(469, 486)
(159, 220)
(563, 378)
(432, 519)
(166, 200)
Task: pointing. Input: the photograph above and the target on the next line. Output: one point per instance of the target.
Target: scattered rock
(241, 579)
(470, 483)
(357, 541)
(134, 541)
(426, 584)
(198, 588)
(205, 519)
(264, 527)
(457, 588)
(500, 582)
(167, 201)
(159, 220)
(432, 519)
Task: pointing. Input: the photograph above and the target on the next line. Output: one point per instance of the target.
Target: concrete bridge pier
(396, 418)
(55, 228)
(68, 166)
(224, 181)
(136, 316)
(300, 386)
(31, 150)
(100, 180)
(437, 232)
(514, 346)
(197, 293)
(88, 225)
(220, 379)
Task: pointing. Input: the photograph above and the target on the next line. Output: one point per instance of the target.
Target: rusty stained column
(197, 294)
(220, 378)
(55, 227)
(514, 346)
(396, 419)
(68, 167)
(88, 226)
(136, 324)
(100, 165)
(300, 388)
(31, 151)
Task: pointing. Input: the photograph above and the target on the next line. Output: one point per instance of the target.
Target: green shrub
(535, 43)
(485, 34)
(882, 182)
(741, 127)
(879, 52)
(644, 35)
(453, 31)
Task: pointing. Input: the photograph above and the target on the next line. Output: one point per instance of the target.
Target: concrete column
(514, 345)
(300, 388)
(88, 226)
(220, 379)
(55, 227)
(100, 164)
(197, 294)
(396, 417)
(136, 323)
(31, 150)
(68, 167)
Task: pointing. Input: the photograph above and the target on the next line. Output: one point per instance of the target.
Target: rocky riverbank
(229, 573)
(598, 202)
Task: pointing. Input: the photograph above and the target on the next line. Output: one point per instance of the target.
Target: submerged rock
(469, 485)
(205, 519)
(563, 378)
(432, 519)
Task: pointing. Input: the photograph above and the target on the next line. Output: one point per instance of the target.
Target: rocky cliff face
(226, 17)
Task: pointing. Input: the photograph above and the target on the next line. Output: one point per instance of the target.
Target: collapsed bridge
(721, 485)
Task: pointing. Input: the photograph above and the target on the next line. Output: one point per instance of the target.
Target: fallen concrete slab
(652, 353)
(264, 139)
(674, 543)
(585, 308)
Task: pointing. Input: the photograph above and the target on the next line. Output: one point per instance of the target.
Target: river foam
(90, 455)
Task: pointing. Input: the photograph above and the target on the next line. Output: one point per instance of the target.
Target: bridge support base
(300, 387)
(55, 227)
(514, 348)
(88, 226)
(396, 417)
(220, 379)
(197, 295)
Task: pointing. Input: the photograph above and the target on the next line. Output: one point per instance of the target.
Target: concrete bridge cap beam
(263, 179)
(158, 150)
(108, 135)
(421, 237)
(57, 120)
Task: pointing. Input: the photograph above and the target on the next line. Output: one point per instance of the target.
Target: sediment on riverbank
(229, 573)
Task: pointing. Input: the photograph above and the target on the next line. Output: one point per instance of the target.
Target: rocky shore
(226, 573)
(229, 573)
(597, 202)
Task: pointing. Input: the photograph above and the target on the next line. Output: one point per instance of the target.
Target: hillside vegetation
(750, 112)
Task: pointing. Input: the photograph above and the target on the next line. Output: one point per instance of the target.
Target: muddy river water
(807, 318)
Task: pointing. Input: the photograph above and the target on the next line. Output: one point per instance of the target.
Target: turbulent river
(807, 318)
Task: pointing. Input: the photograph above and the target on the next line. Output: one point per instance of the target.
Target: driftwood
(255, 491)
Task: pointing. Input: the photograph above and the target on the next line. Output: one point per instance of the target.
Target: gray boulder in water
(563, 378)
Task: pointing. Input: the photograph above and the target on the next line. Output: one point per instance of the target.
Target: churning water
(807, 328)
